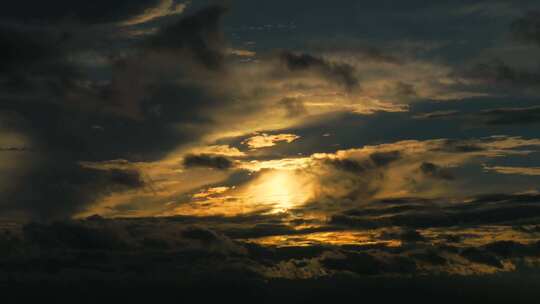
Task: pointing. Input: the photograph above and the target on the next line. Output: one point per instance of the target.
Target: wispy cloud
(531, 171)
(163, 9)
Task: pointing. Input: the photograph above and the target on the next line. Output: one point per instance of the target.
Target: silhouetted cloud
(347, 165)
(340, 73)
(494, 116)
(208, 161)
(481, 256)
(198, 33)
(418, 213)
(42, 83)
(503, 116)
(59, 189)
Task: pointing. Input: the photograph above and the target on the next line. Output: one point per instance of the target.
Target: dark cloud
(527, 28)
(494, 116)
(72, 235)
(460, 146)
(431, 257)
(360, 263)
(347, 165)
(34, 63)
(199, 34)
(508, 116)
(20, 49)
(381, 159)
(497, 72)
(377, 159)
(16, 149)
(509, 249)
(481, 256)
(413, 213)
(409, 235)
(341, 73)
(208, 161)
(135, 251)
(60, 189)
(199, 234)
(138, 106)
(366, 264)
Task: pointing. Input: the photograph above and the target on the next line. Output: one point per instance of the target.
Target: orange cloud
(265, 141)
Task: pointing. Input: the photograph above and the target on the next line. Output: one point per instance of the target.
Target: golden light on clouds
(265, 140)
(340, 238)
(281, 184)
(278, 164)
(165, 8)
(280, 190)
(273, 191)
(531, 171)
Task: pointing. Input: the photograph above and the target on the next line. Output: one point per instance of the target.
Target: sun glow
(280, 189)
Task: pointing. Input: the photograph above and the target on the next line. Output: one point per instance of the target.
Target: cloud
(16, 149)
(375, 160)
(480, 256)
(179, 87)
(347, 165)
(508, 116)
(432, 170)
(438, 213)
(324, 183)
(437, 114)
(60, 189)
(295, 107)
(265, 140)
(208, 161)
(530, 171)
(42, 83)
(492, 117)
(499, 72)
(33, 64)
(381, 159)
(417, 168)
(72, 235)
(206, 246)
(97, 12)
(340, 73)
(165, 8)
(128, 125)
(198, 33)
(224, 150)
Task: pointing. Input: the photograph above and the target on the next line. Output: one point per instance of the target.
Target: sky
(271, 143)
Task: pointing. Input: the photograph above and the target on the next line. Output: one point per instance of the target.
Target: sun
(281, 190)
